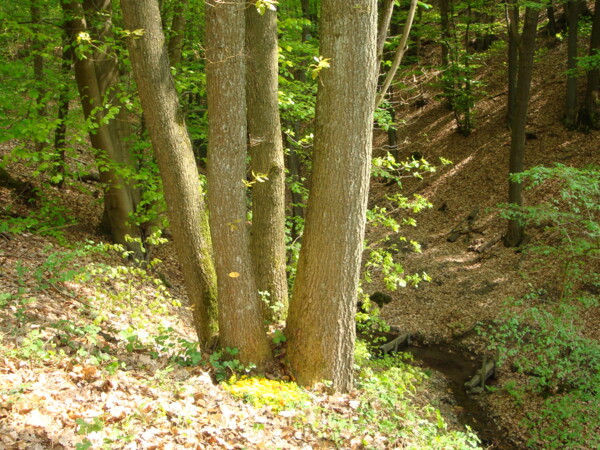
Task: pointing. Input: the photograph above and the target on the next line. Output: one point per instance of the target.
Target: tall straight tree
(512, 23)
(240, 318)
(589, 113)
(320, 328)
(267, 240)
(173, 150)
(526, 48)
(573, 8)
(96, 73)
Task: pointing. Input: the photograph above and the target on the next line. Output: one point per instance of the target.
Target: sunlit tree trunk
(267, 240)
(173, 150)
(515, 232)
(240, 318)
(321, 329)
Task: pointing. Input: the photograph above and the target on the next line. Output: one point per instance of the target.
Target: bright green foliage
(226, 365)
(385, 407)
(381, 253)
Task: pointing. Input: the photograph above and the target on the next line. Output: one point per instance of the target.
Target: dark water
(458, 367)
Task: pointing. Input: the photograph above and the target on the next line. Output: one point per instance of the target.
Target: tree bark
(589, 114)
(173, 150)
(240, 318)
(515, 233)
(512, 21)
(91, 81)
(267, 239)
(60, 132)
(321, 329)
(573, 10)
(177, 33)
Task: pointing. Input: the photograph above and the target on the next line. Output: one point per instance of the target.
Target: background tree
(573, 9)
(526, 48)
(96, 74)
(240, 318)
(320, 326)
(267, 240)
(588, 116)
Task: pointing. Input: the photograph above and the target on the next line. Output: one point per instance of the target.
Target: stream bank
(451, 367)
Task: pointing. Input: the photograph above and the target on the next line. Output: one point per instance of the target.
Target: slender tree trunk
(399, 53)
(177, 32)
(552, 29)
(385, 17)
(305, 6)
(517, 144)
(570, 119)
(267, 240)
(512, 21)
(173, 149)
(37, 47)
(240, 318)
(321, 329)
(60, 132)
(294, 168)
(589, 114)
(445, 44)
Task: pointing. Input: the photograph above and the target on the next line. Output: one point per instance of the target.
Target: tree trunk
(552, 29)
(445, 32)
(385, 17)
(517, 144)
(37, 47)
(512, 21)
(60, 132)
(267, 240)
(321, 329)
(570, 119)
(240, 318)
(173, 149)
(399, 53)
(177, 33)
(589, 114)
(294, 168)
(118, 199)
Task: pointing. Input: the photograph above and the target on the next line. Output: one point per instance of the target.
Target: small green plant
(384, 408)
(84, 428)
(225, 365)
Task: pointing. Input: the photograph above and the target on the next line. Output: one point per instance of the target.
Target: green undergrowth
(543, 335)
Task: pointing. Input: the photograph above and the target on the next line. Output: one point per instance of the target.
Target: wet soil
(457, 367)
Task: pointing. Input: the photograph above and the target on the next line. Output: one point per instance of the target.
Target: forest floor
(49, 402)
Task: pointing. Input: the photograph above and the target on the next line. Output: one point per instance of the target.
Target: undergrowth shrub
(546, 340)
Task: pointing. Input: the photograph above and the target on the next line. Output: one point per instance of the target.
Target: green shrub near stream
(546, 340)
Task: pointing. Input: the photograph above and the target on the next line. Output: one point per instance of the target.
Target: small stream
(458, 367)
